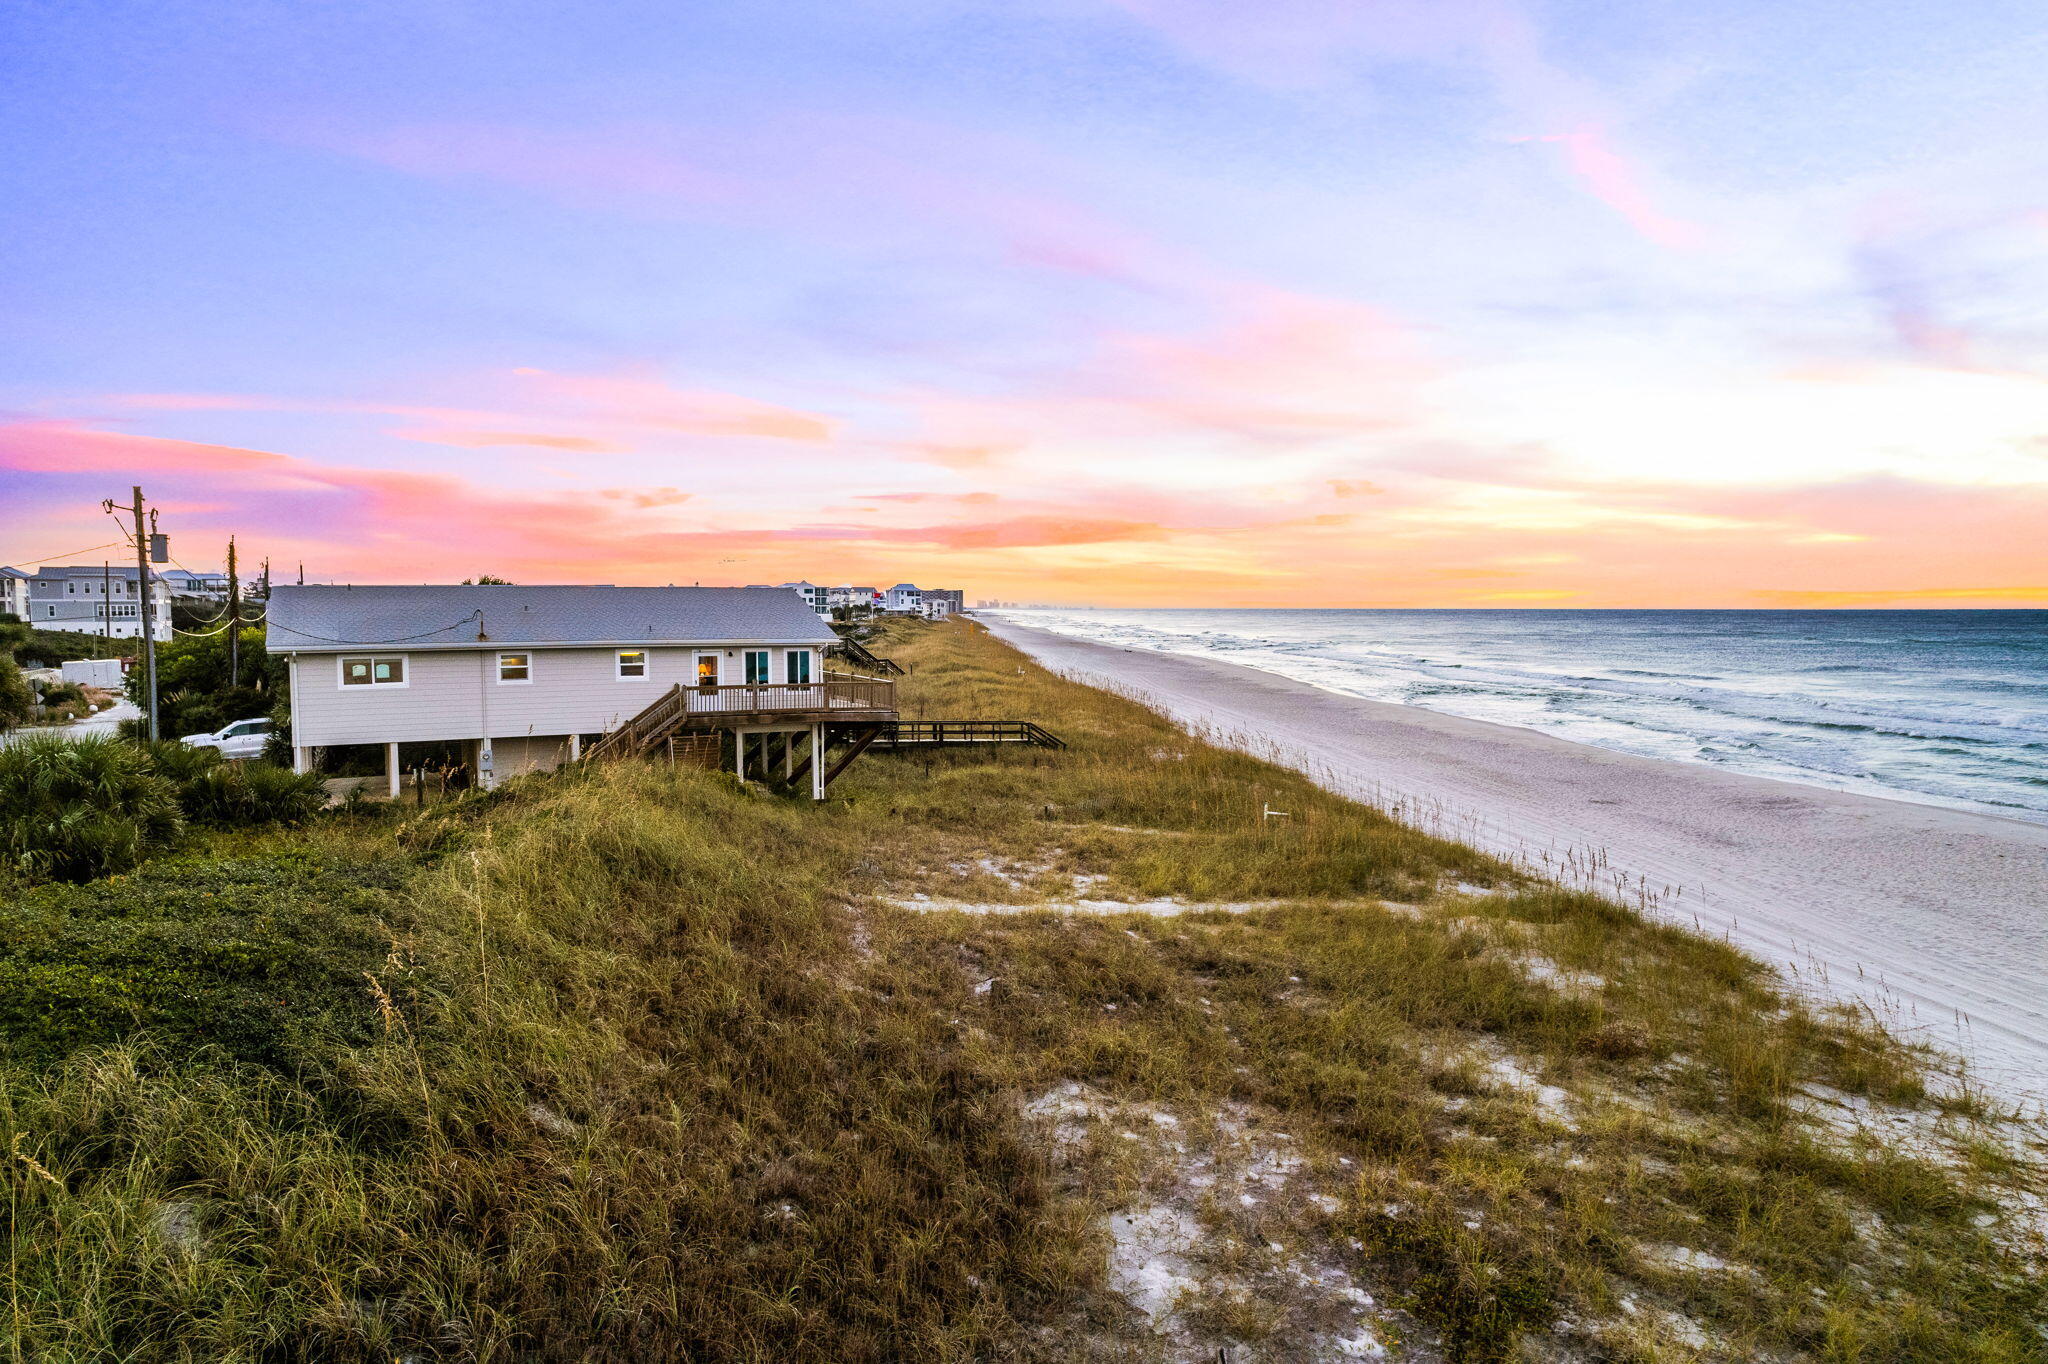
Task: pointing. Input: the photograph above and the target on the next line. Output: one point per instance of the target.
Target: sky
(1487, 303)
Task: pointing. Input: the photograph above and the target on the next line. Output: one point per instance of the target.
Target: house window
(797, 665)
(632, 663)
(707, 671)
(757, 667)
(386, 671)
(515, 667)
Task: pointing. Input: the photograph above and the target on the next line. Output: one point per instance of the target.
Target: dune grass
(645, 1066)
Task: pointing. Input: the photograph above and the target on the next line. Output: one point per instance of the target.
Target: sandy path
(1936, 918)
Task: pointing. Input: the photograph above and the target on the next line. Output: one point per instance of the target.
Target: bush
(72, 809)
(252, 793)
(214, 792)
(17, 698)
(64, 694)
(260, 956)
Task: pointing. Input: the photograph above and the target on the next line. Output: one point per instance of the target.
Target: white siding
(455, 694)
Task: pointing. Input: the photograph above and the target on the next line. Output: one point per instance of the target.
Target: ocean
(1944, 707)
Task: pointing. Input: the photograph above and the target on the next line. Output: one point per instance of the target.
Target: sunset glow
(1174, 302)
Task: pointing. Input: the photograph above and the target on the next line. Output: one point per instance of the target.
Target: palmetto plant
(75, 809)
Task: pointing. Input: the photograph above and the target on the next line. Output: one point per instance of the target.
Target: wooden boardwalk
(933, 733)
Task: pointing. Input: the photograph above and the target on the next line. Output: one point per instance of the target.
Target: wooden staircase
(934, 733)
(639, 735)
(856, 652)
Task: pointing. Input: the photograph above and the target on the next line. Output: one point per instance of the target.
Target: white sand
(1935, 918)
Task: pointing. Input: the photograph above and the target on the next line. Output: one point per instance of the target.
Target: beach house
(904, 598)
(13, 592)
(96, 599)
(516, 679)
(814, 596)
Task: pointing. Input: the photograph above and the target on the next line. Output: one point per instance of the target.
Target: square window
(632, 663)
(515, 667)
(373, 672)
(757, 667)
(797, 665)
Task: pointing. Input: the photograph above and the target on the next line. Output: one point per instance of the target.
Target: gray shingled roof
(328, 619)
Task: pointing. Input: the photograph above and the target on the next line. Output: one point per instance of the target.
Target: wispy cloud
(1618, 183)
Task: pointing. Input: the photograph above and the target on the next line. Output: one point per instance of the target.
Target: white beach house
(523, 678)
(13, 592)
(814, 596)
(903, 597)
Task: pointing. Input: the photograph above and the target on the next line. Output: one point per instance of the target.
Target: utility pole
(107, 603)
(234, 619)
(148, 626)
(266, 580)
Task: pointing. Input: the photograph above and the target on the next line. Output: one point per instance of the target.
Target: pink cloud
(637, 399)
(478, 440)
(1617, 184)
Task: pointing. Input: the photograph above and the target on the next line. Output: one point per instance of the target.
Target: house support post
(739, 755)
(391, 770)
(575, 747)
(788, 754)
(301, 758)
(817, 762)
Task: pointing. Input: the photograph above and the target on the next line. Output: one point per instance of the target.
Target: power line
(476, 615)
(30, 563)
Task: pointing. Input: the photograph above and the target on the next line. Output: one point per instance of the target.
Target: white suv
(242, 739)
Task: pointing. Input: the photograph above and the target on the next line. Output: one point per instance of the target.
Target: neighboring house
(94, 599)
(13, 592)
(524, 678)
(903, 597)
(856, 597)
(936, 608)
(814, 596)
(210, 585)
(948, 600)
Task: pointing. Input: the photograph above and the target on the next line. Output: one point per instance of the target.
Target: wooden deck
(840, 698)
(932, 733)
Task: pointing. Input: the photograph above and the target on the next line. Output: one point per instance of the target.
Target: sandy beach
(1937, 919)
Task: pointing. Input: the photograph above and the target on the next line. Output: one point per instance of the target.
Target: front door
(707, 672)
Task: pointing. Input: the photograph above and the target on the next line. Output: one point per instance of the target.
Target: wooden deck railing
(839, 693)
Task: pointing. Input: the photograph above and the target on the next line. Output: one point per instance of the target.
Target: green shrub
(17, 698)
(214, 792)
(64, 694)
(260, 956)
(252, 793)
(180, 764)
(71, 809)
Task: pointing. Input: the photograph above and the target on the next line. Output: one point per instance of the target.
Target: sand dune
(1935, 918)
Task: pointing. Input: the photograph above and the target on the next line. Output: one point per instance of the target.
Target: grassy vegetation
(72, 809)
(628, 1063)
